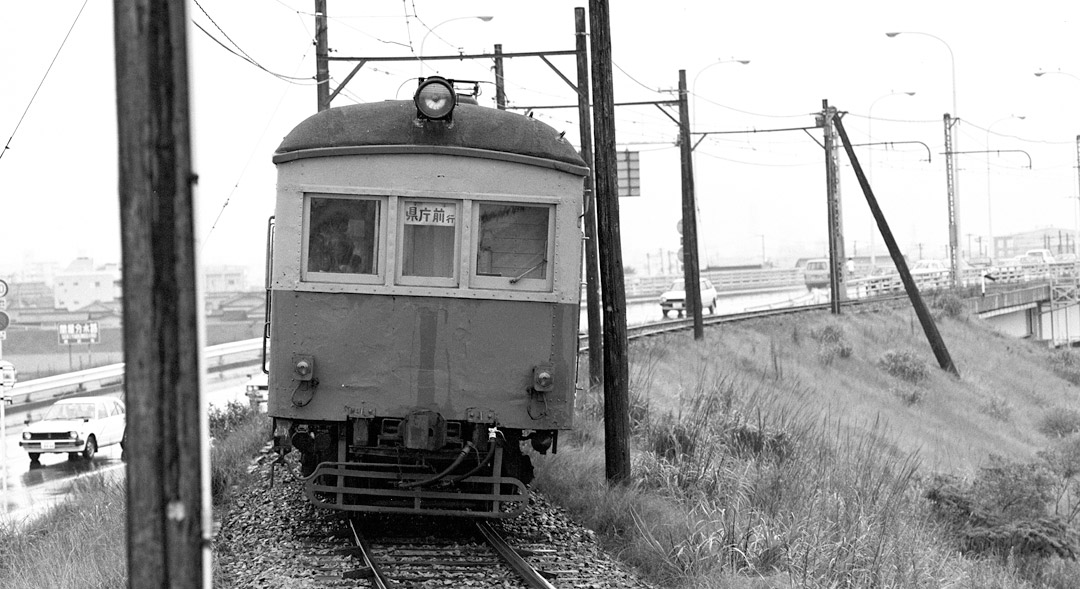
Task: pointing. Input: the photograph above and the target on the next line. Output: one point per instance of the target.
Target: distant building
(29, 295)
(1058, 241)
(81, 284)
(225, 279)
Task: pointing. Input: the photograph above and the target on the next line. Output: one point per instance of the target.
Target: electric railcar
(424, 288)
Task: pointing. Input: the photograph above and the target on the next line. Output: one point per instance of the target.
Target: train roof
(390, 127)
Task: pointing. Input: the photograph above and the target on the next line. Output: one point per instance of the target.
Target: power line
(7, 145)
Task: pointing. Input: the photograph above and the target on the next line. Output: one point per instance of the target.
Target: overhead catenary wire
(7, 145)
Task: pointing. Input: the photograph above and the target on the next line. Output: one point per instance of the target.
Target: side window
(428, 238)
(342, 235)
(513, 241)
(118, 408)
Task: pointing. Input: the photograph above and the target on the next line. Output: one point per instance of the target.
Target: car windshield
(678, 285)
(70, 411)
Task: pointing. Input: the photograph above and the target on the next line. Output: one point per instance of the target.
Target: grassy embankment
(815, 451)
(804, 451)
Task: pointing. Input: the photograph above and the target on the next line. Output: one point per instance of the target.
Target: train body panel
(424, 298)
(379, 356)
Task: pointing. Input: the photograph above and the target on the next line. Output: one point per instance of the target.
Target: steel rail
(531, 576)
(378, 577)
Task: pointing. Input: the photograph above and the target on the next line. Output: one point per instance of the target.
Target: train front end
(424, 304)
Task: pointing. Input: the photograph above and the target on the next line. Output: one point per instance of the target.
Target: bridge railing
(217, 358)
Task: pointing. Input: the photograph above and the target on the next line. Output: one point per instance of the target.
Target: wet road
(29, 490)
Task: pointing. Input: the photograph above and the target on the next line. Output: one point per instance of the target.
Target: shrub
(225, 420)
(905, 365)
(1066, 364)
(1059, 422)
(949, 304)
(831, 344)
(997, 407)
(909, 395)
(1004, 511)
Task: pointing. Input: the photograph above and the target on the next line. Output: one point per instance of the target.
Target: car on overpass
(674, 299)
(78, 426)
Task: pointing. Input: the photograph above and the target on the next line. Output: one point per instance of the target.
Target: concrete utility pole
(616, 368)
(168, 508)
(691, 275)
(954, 214)
(592, 265)
(837, 268)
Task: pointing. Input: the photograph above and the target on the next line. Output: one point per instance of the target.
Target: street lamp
(870, 168)
(1077, 238)
(1039, 74)
(954, 198)
(420, 55)
(989, 200)
(693, 85)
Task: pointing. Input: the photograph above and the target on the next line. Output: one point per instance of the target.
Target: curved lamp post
(693, 85)
(420, 55)
(954, 197)
(1076, 247)
(989, 202)
(870, 166)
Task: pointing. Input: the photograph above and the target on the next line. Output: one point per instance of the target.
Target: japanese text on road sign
(85, 332)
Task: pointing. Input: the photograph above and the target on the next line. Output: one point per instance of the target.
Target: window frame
(486, 282)
(452, 281)
(380, 259)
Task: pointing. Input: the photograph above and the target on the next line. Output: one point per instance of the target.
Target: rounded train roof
(392, 124)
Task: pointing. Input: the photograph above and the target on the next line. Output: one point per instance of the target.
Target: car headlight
(73, 435)
(663, 299)
(26, 435)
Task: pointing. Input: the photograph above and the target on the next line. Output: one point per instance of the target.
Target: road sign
(3, 288)
(83, 332)
(678, 226)
(4, 320)
(628, 168)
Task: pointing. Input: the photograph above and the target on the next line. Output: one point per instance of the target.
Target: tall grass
(743, 476)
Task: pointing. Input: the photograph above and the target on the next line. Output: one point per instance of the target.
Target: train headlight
(435, 98)
(543, 378)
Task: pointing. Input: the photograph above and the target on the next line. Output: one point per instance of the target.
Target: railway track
(683, 324)
(409, 552)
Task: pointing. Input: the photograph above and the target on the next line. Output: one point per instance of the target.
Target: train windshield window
(343, 235)
(513, 241)
(428, 238)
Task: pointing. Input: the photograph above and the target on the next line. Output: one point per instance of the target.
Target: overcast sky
(58, 179)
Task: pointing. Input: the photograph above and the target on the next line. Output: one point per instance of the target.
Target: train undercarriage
(419, 464)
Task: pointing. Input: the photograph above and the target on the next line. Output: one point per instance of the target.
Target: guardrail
(217, 358)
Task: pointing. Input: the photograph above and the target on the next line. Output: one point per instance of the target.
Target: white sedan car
(78, 426)
(675, 298)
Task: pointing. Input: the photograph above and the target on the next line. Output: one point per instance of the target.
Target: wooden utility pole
(168, 502)
(616, 368)
(937, 344)
(500, 81)
(592, 267)
(322, 55)
(837, 269)
(169, 524)
(691, 275)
